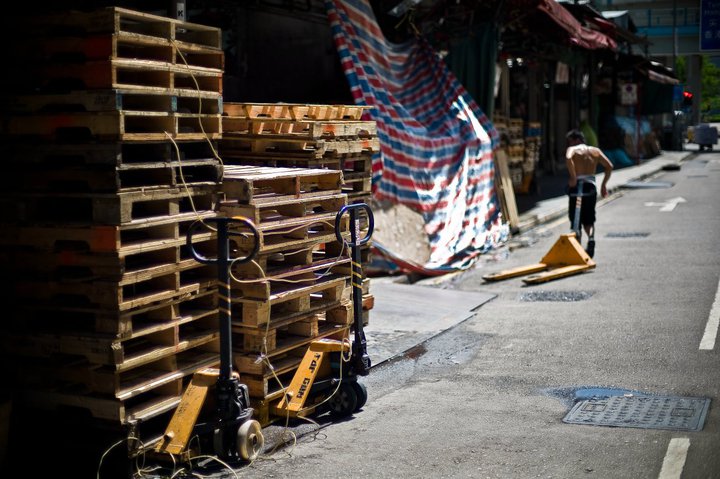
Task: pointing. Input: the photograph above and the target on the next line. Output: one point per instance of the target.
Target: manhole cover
(646, 412)
(628, 234)
(555, 296)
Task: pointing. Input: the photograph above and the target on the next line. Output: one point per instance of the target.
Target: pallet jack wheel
(362, 395)
(250, 440)
(344, 401)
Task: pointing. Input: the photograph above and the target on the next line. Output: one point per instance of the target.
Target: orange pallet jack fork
(566, 257)
(322, 381)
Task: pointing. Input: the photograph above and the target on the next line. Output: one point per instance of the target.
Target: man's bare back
(583, 160)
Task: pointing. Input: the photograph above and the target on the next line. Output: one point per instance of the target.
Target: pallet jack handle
(360, 360)
(223, 262)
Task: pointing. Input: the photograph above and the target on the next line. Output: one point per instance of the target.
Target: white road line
(711, 329)
(675, 458)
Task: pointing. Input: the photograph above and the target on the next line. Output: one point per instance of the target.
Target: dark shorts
(587, 208)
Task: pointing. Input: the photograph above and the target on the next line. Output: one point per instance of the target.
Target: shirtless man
(582, 162)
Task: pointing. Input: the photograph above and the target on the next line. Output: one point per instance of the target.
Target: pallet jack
(565, 258)
(321, 380)
(235, 435)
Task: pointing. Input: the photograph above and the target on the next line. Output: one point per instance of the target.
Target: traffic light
(687, 98)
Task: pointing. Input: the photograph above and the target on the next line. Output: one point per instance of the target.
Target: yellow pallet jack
(235, 435)
(323, 382)
(565, 258)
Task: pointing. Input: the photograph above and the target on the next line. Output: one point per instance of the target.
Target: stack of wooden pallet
(306, 136)
(113, 120)
(295, 291)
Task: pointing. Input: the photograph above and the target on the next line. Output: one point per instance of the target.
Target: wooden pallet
(283, 358)
(118, 355)
(81, 179)
(132, 292)
(118, 74)
(290, 223)
(359, 197)
(126, 22)
(301, 129)
(284, 306)
(122, 155)
(121, 45)
(108, 209)
(131, 100)
(266, 386)
(283, 277)
(115, 126)
(129, 239)
(357, 182)
(148, 398)
(294, 111)
(70, 265)
(264, 185)
(137, 322)
(260, 340)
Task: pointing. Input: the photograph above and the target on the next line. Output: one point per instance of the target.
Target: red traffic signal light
(687, 98)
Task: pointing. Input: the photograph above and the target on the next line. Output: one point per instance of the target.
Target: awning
(653, 70)
(578, 34)
(659, 77)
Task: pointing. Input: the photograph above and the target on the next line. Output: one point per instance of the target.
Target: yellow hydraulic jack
(566, 257)
(322, 380)
(235, 435)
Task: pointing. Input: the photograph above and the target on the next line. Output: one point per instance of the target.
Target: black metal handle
(355, 226)
(223, 233)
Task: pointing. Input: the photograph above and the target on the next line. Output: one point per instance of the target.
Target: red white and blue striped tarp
(436, 144)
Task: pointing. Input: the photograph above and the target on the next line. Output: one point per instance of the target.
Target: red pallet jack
(235, 435)
(322, 382)
(565, 258)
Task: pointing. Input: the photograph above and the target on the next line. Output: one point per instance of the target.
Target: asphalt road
(486, 399)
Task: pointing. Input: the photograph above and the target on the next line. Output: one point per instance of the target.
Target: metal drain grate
(646, 412)
(628, 234)
(565, 296)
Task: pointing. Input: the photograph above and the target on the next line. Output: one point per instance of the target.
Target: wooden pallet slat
(264, 185)
(303, 129)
